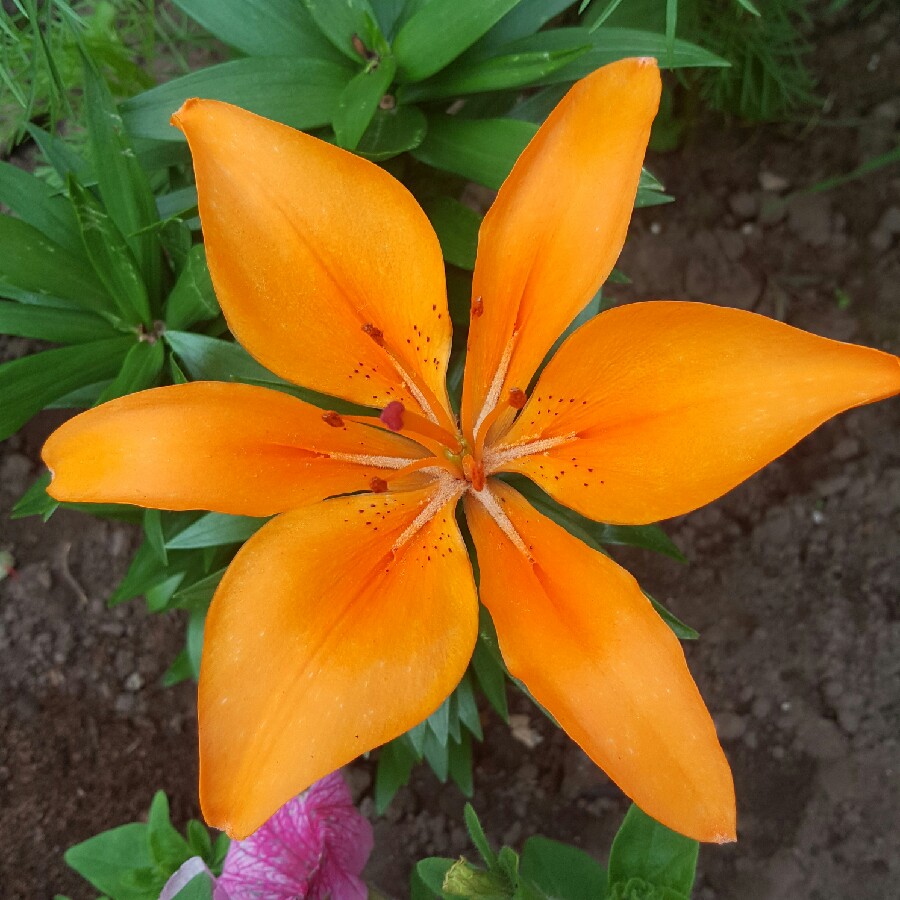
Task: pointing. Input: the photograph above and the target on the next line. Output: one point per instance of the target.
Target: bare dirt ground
(792, 581)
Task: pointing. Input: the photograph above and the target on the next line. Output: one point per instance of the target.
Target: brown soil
(792, 578)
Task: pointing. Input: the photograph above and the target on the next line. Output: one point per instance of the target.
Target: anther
(392, 415)
(378, 485)
(477, 308)
(376, 334)
(517, 398)
(333, 419)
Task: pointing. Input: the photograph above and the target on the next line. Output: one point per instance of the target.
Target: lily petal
(231, 448)
(364, 623)
(327, 270)
(576, 629)
(654, 409)
(556, 228)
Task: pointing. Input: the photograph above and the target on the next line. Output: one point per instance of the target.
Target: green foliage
(647, 862)
(133, 862)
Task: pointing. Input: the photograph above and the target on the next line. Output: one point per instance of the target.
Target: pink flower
(314, 847)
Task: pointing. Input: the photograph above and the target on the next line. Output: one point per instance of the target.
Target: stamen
(378, 485)
(516, 400)
(474, 472)
(496, 458)
(477, 310)
(333, 419)
(496, 512)
(392, 415)
(493, 394)
(376, 334)
(450, 489)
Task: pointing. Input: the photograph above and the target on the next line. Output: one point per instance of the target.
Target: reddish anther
(517, 398)
(392, 415)
(376, 334)
(378, 485)
(474, 471)
(477, 308)
(333, 419)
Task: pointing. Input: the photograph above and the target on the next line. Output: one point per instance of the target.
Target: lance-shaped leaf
(29, 384)
(35, 270)
(360, 99)
(261, 27)
(456, 226)
(524, 19)
(440, 31)
(61, 326)
(111, 256)
(123, 184)
(193, 298)
(140, 370)
(38, 204)
(302, 93)
(508, 69)
(391, 132)
(482, 150)
(345, 23)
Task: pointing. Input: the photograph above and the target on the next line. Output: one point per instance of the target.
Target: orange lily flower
(349, 617)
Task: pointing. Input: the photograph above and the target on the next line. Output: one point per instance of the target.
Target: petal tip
(185, 108)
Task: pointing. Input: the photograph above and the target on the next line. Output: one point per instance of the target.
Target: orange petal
(327, 270)
(336, 628)
(556, 228)
(661, 407)
(231, 448)
(576, 629)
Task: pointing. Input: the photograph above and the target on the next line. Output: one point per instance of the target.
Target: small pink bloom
(314, 847)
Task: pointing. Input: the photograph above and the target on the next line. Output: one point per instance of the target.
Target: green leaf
(682, 631)
(198, 888)
(35, 270)
(507, 70)
(491, 676)
(561, 871)
(521, 21)
(460, 763)
(144, 572)
(48, 323)
(141, 369)
(168, 847)
(341, 21)
(122, 182)
(359, 100)
(612, 44)
(178, 203)
(109, 860)
(194, 640)
(28, 384)
(193, 298)
(645, 849)
(467, 706)
(395, 764)
(387, 13)
(38, 204)
(200, 841)
(440, 31)
(111, 256)
(436, 755)
(64, 160)
(302, 93)
(36, 501)
(456, 226)
(482, 150)
(647, 537)
(432, 872)
(153, 532)
(479, 839)
(439, 722)
(391, 132)
(206, 358)
(180, 670)
(199, 594)
(261, 27)
(214, 530)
